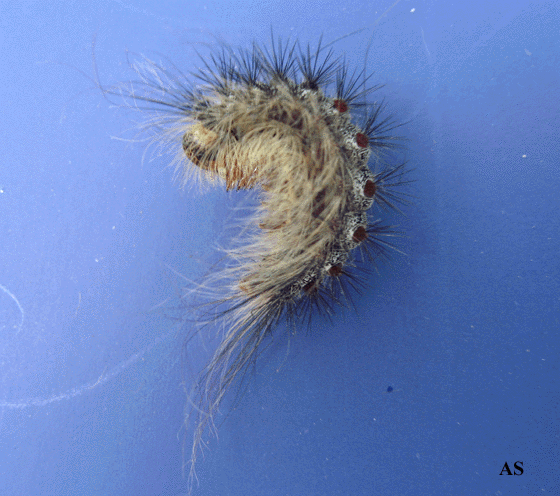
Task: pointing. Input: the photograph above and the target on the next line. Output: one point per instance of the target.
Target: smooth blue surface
(93, 233)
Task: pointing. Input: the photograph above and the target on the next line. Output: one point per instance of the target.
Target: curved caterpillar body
(264, 119)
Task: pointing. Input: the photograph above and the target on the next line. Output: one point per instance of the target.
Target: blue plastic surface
(448, 367)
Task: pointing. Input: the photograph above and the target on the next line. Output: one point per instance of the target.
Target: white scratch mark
(11, 295)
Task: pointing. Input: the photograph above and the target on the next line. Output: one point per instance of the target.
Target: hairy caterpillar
(278, 120)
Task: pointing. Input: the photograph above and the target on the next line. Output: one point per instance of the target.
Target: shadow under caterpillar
(280, 120)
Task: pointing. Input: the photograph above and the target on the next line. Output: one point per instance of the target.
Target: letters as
(517, 469)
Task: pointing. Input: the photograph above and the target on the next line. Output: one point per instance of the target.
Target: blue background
(95, 239)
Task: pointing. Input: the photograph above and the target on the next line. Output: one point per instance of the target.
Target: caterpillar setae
(279, 120)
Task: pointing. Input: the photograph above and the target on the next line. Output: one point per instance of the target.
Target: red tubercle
(360, 234)
(310, 287)
(335, 270)
(340, 105)
(362, 140)
(370, 188)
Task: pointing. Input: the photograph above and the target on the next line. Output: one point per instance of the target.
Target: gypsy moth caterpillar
(282, 120)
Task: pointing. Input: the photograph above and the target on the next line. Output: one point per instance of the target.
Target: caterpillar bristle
(278, 120)
(379, 131)
(280, 63)
(376, 245)
(353, 90)
(388, 182)
(317, 69)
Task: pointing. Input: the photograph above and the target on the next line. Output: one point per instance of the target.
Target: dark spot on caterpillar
(310, 287)
(318, 203)
(335, 270)
(369, 188)
(360, 234)
(362, 140)
(310, 85)
(292, 119)
(340, 105)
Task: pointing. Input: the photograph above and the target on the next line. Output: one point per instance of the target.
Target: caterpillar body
(272, 120)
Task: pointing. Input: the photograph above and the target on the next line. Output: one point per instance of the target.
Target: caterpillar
(280, 120)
